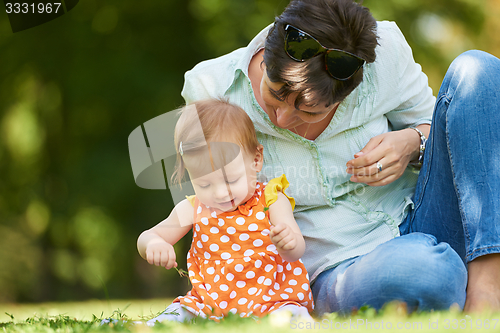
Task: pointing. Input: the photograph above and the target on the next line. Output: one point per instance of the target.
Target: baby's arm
(285, 232)
(156, 244)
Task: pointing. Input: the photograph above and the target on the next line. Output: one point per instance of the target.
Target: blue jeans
(456, 216)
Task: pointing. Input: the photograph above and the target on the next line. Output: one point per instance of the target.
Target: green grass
(86, 317)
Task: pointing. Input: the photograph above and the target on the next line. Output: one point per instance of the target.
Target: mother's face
(283, 113)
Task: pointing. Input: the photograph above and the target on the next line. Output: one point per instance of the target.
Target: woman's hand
(160, 253)
(392, 151)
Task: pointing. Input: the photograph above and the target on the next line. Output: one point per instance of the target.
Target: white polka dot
(250, 305)
(214, 295)
(305, 286)
(236, 247)
(239, 268)
(229, 276)
(253, 227)
(198, 243)
(250, 212)
(268, 282)
(191, 273)
(247, 259)
(265, 232)
(300, 296)
(214, 247)
(258, 242)
(204, 220)
(231, 230)
(258, 263)
(276, 286)
(210, 270)
(261, 279)
(223, 304)
(271, 292)
(200, 305)
(279, 268)
(289, 290)
(204, 238)
(307, 276)
(297, 271)
(224, 287)
(248, 252)
(214, 230)
(271, 247)
(242, 301)
(208, 286)
(256, 306)
(221, 222)
(304, 303)
(197, 227)
(207, 255)
(263, 308)
(252, 290)
(230, 261)
(284, 296)
(292, 282)
(268, 268)
(240, 220)
(258, 185)
(216, 278)
(244, 237)
(225, 255)
(288, 267)
(232, 294)
(214, 215)
(250, 275)
(260, 292)
(217, 262)
(224, 239)
(283, 277)
(187, 299)
(266, 298)
(260, 215)
(198, 211)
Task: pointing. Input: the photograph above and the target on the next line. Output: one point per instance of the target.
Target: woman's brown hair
(340, 24)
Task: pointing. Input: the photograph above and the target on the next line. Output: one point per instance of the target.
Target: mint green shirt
(339, 219)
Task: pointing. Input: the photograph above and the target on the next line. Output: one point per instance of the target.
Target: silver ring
(379, 166)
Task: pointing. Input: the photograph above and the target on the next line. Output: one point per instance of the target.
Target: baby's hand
(283, 237)
(161, 254)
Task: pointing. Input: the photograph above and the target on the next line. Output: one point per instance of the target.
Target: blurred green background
(73, 89)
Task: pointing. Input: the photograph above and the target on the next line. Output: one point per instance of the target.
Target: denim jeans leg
(457, 198)
(412, 268)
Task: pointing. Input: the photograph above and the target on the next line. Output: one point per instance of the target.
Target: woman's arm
(285, 232)
(156, 244)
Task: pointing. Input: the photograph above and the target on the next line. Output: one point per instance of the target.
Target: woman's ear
(259, 158)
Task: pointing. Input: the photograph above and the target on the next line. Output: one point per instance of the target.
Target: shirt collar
(241, 65)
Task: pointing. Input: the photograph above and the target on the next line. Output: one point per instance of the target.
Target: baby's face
(227, 188)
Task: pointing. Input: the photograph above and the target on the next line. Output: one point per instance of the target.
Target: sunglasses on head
(300, 46)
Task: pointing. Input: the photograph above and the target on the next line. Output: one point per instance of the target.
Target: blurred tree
(73, 89)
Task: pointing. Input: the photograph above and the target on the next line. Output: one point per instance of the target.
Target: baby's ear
(259, 158)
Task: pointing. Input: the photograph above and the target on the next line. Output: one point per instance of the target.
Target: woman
(342, 109)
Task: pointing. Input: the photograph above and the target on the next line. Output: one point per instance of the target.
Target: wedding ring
(379, 166)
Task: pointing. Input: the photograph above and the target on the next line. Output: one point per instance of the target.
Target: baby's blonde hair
(220, 121)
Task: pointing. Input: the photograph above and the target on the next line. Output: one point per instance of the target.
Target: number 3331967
(25, 8)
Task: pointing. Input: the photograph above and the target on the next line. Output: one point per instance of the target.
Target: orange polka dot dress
(235, 268)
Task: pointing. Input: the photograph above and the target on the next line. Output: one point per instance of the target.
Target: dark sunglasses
(300, 46)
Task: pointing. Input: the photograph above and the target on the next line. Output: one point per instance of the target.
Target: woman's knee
(431, 274)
